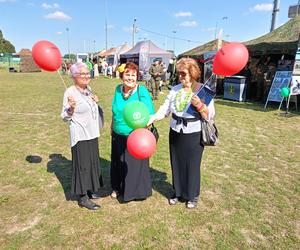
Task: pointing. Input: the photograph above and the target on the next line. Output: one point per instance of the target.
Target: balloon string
(208, 80)
(62, 79)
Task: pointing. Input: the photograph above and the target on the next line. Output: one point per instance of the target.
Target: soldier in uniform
(156, 70)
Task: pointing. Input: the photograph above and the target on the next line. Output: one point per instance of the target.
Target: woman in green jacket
(130, 176)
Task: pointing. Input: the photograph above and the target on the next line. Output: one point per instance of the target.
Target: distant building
(27, 63)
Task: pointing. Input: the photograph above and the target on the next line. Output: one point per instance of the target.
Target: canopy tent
(283, 40)
(121, 49)
(198, 52)
(101, 53)
(109, 52)
(144, 53)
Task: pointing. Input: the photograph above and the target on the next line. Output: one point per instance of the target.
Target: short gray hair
(75, 68)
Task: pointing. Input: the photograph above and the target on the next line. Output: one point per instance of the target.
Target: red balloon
(141, 143)
(230, 59)
(46, 55)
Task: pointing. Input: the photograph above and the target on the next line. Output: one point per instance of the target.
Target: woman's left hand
(196, 101)
(95, 98)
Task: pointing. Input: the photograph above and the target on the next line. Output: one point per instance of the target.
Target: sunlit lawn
(249, 187)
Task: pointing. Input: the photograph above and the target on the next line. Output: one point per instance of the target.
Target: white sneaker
(114, 194)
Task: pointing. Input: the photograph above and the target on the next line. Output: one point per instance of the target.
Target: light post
(189, 43)
(67, 29)
(216, 30)
(133, 31)
(174, 32)
(105, 25)
(94, 49)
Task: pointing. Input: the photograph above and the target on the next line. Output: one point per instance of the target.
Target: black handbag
(154, 131)
(209, 133)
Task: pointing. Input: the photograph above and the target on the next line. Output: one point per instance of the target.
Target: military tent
(283, 40)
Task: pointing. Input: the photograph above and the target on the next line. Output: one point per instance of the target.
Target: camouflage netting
(283, 40)
(200, 50)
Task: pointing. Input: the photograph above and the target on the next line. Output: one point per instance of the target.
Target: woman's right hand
(151, 120)
(71, 102)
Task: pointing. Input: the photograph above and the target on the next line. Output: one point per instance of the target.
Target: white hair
(76, 67)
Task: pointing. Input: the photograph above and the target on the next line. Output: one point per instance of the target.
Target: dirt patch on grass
(16, 228)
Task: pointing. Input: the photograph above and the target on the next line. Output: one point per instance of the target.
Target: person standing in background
(96, 70)
(155, 71)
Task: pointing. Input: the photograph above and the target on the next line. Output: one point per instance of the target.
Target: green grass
(249, 188)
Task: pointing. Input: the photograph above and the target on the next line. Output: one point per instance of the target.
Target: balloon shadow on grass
(62, 168)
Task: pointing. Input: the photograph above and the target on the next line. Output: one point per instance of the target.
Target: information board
(281, 79)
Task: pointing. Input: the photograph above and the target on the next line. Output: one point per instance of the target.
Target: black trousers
(185, 154)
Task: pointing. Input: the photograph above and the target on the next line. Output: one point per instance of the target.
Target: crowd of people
(130, 177)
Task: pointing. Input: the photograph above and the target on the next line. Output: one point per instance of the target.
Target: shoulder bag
(209, 133)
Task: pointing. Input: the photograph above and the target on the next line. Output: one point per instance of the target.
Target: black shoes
(84, 201)
(93, 195)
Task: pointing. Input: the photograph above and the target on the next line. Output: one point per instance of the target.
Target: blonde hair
(191, 65)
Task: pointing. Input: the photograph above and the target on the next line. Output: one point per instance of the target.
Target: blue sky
(25, 22)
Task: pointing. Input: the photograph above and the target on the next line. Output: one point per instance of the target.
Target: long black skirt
(129, 176)
(86, 167)
(185, 154)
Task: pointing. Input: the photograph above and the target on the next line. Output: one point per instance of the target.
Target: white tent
(144, 53)
(121, 49)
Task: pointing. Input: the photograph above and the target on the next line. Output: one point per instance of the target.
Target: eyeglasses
(83, 75)
(182, 73)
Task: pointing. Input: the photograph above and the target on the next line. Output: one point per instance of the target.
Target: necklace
(86, 94)
(181, 104)
(126, 95)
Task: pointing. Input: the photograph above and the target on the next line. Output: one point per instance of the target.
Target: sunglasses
(182, 73)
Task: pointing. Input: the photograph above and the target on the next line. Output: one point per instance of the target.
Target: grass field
(249, 187)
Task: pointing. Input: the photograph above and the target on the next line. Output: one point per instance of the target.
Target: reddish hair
(130, 66)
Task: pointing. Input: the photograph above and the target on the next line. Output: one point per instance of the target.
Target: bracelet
(203, 109)
(200, 106)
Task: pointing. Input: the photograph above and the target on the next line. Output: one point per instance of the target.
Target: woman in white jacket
(80, 110)
(185, 132)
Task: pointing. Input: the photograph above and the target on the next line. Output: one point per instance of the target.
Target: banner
(281, 79)
(208, 65)
(144, 54)
(295, 85)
